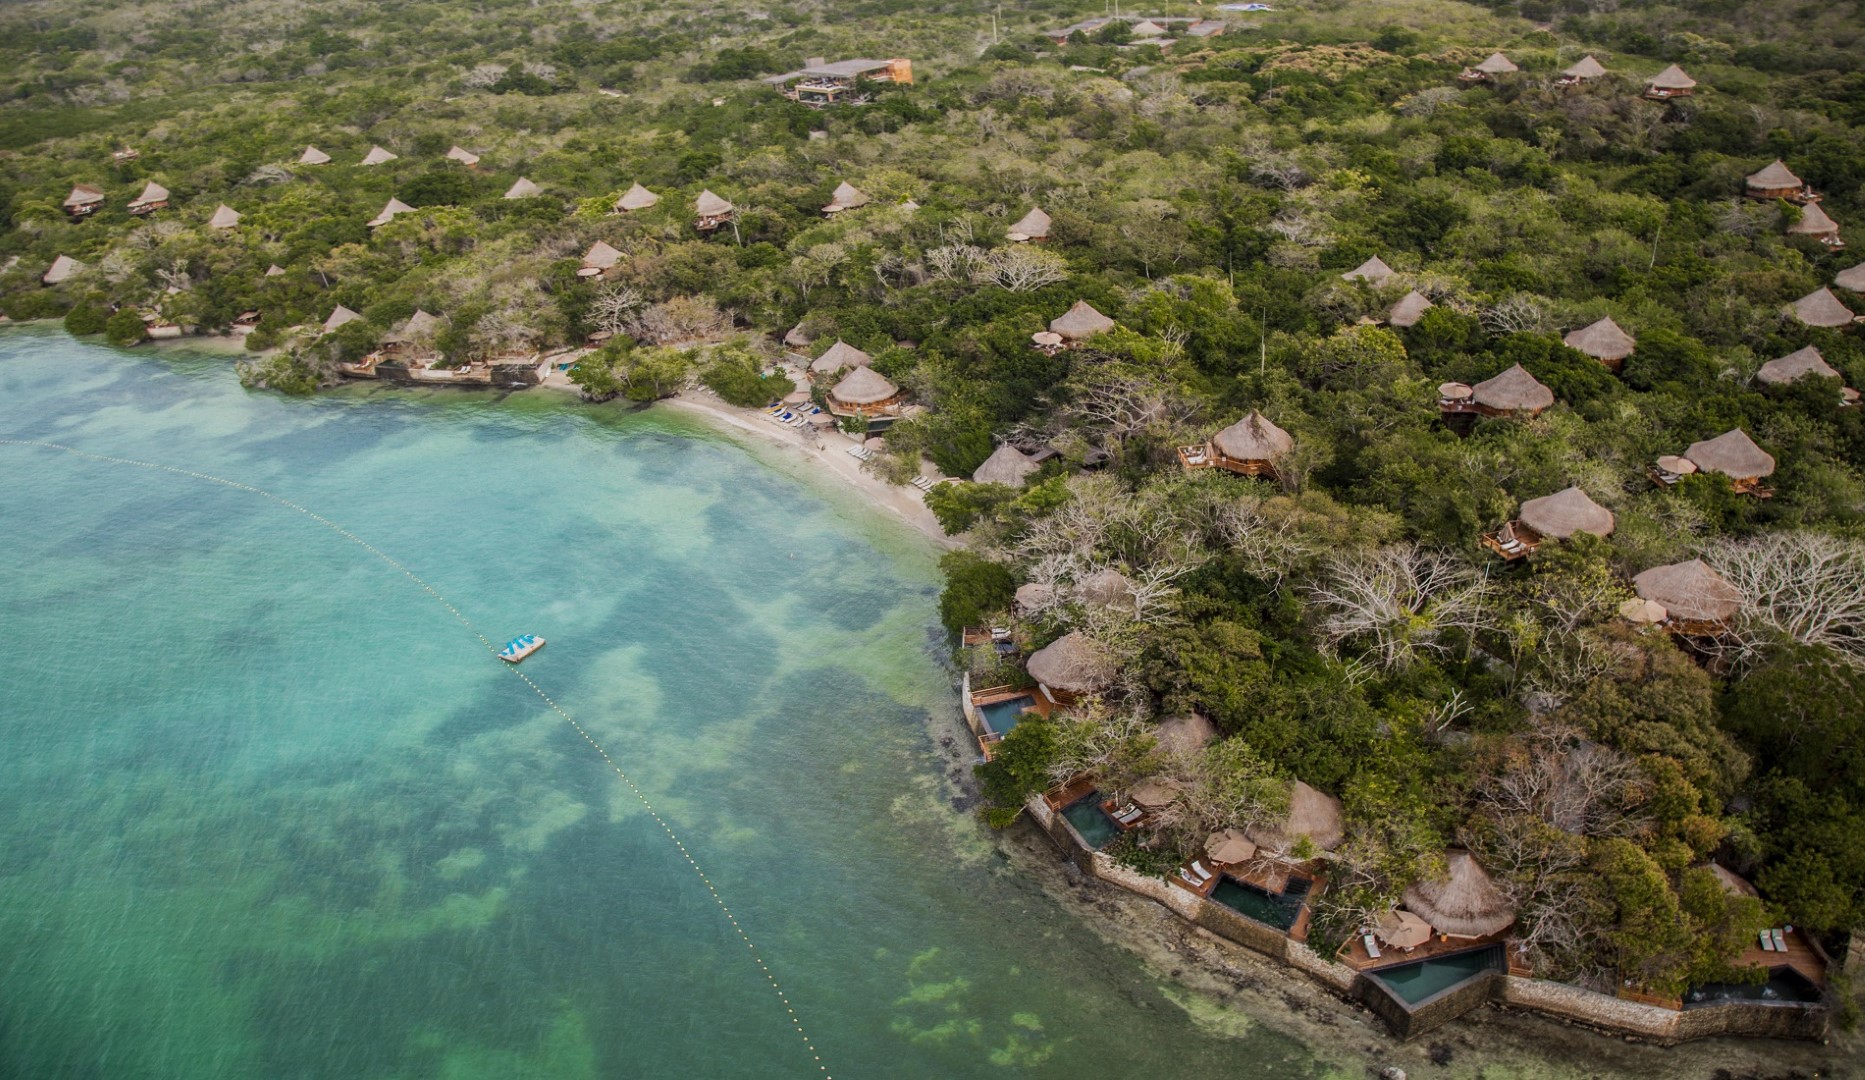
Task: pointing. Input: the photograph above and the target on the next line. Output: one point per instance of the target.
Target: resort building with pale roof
(154, 197)
(1410, 308)
(523, 189)
(1031, 227)
(1550, 517)
(1586, 70)
(864, 392)
(1803, 363)
(1373, 271)
(464, 157)
(1603, 341)
(838, 358)
(1821, 308)
(820, 83)
(389, 210)
(636, 198)
(711, 212)
(1079, 323)
(84, 200)
(845, 197)
(1493, 67)
(1851, 279)
(1249, 447)
(61, 270)
(1069, 666)
(1814, 222)
(378, 156)
(1696, 599)
(1313, 815)
(1670, 83)
(1732, 454)
(1007, 465)
(313, 156)
(225, 217)
(598, 260)
(1462, 902)
(339, 317)
(1514, 392)
(1776, 181)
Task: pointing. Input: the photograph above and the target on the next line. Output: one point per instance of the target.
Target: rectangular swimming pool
(1785, 986)
(1416, 982)
(1091, 821)
(1001, 716)
(1274, 909)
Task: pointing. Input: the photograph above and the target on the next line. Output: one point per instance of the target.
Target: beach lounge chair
(1780, 940)
(1767, 941)
(1203, 874)
(1372, 946)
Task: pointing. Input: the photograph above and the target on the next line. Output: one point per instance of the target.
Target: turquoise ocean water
(268, 810)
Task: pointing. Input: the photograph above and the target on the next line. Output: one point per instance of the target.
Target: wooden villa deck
(1800, 955)
(1207, 457)
(1353, 952)
(1512, 542)
(987, 737)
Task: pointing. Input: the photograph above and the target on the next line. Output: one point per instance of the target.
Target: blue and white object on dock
(520, 647)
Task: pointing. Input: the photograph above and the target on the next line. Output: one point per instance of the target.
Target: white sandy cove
(826, 450)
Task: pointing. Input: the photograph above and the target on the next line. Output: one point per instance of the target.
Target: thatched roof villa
(711, 211)
(1249, 447)
(154, 197)
(225, 217)
(1814, 222)
(1695, 598)
(1464, 902)
(463, 156)
(1312, 814)
(863, 392)
(1105, 588)
(523, 189)
(414, 337)
(599, 259)
(1735, 455)
(378, 156)
(313, 156)
(83, 200)
(1802, 363)
(635, 198)
(61, 270)
(1670, 83)
(389, 210)
(1033, 596)
(845, 197)
(1586, 70)
(838, 357)
(1186, 734)
(1851, 279)
(1007, 465)
(1821, 308)
(1775, 181)
(1410, 308)
(1550, 517)
(339, 317)
(1079, 323)
(1373, 271)
(1514, 392)
(1070, 665)
(1603, 341)
(1493, 67)
(1033, 226)
(275, 270)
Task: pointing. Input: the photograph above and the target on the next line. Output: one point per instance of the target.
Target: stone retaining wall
(1666, 1026)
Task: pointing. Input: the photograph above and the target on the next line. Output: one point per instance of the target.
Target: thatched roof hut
(523, 189)
(1799, 364)
(1410, 308)
(1105, 588)
(1080, 322)
(1733, 883)
(339, 317)
(845, 197)
(1586, 68)
(84, 196)
(1733, 454)
(1821, 308)
(1462, 903)
(1311, 813)
(313, 156)
(600, 256)
(1007, 465)
(1033, 226)
(378, 156)
(1774, 181)
(152, 193)
(863, 386)
(1565, 513)
(389, 210)
(1253, 438)
(225, 217)
(275, 270)
(62, 269)
(1671, 79)
(1185, 734)
(1071, 663)
(421, 326)
(1497, 64)
(1513, 391)
(709, 205)
(636, 198)
(1814, 222)
(1602, 340)
(1373, 271)
(1690, 591)
(1147, 28)
(1155, 792)
(464, 157)
(1852, 278)
(838, 357)
(1033, 595)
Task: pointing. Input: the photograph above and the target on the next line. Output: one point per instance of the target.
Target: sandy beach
(826, 451)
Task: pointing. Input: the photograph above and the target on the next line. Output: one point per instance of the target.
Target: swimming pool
(1091, 821)
(1274, 909)
(1785, 986)
(1001, 716)
(1416, 982)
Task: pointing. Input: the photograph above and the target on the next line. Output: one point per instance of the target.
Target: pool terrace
(994, 712)
(1353, 952)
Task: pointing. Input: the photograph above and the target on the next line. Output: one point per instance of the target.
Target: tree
(1804, 587)
(1400, 602)
(975, 590)
(1020, 766)
(124, 328)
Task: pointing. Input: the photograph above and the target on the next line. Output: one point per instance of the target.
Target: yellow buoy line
(493, 651)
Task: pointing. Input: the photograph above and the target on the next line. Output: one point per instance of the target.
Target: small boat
(520, 647)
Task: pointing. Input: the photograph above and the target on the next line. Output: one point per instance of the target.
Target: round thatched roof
(389, 210)
(863, 386)
(1410, 308)
(1230, 847)
(313, 156)
(1732, 882)
(1852, 278)
(601, 256)
(225, 217)
(1774, 178)
(1185, 734)
(1373, 271)
(275, 270)
(1733, 454)
(1603, 341)
(462, 155)
(1071, 662)
(1689, 590)
(1033, 226)
(1515, 390)
(1565, 513)
(1007, 465)
(1677, 465)
(62, 268)
(151, 192)
(1497, 64)
(1821, 308)
(636, 198)
(419, 327)
(1799, 364)
(1105, 588)
(1253, 438)
(378, 156)
(523, 189)
(1813, 222)
(338, 317)
(1080, 322)
(1587, 68)
(1671, 78)
(1464, 902)
(838, 356)
(1311, 814)
(710, 205)
(1033, 595)
(846, 197)
(1155, 792)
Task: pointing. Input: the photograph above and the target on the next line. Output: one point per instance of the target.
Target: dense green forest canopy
(1338, 623)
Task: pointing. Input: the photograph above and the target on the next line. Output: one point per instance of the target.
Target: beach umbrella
(1229, 847)
(1403, 930)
